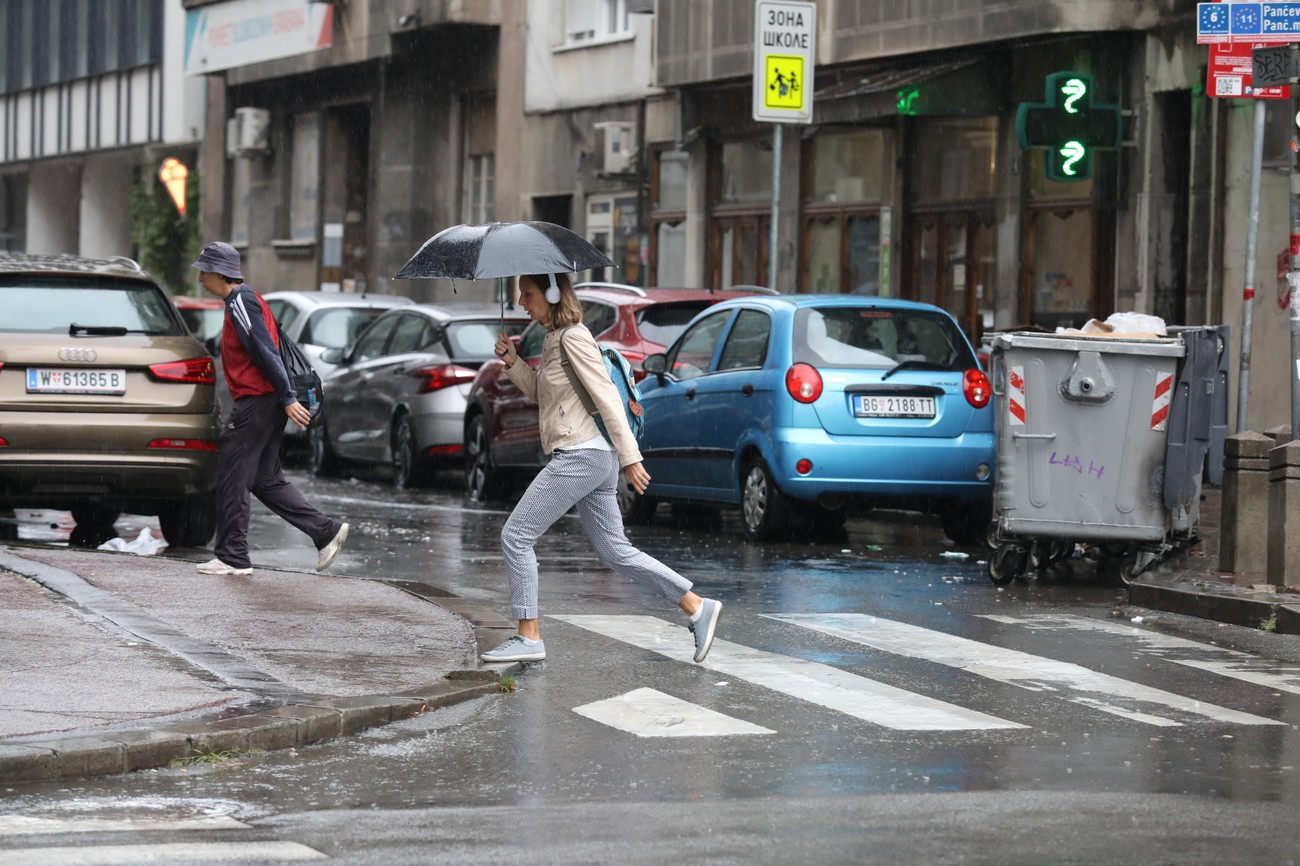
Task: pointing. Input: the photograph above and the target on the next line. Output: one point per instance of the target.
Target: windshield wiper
(914, 364)
(75, 330)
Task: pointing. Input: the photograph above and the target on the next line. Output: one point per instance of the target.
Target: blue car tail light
(804, 383)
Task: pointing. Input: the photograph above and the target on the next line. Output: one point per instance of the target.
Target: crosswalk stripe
(22, 825)
(177, 852)
(816, 683)
(651, 713)
(1218, 660)
(1014, 667)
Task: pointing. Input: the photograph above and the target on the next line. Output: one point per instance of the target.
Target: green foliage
(166, 241)
(1269, 624)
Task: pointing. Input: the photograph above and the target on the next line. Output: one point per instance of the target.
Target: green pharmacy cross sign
(1069, 126)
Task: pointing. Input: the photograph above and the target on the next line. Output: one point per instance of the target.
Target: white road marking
(1035, 673)
(816, 683)
(180, 852)
(651, 713)
(1225, 662)
(22, 825)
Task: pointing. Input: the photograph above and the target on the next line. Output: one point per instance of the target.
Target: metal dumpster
(1082, 432)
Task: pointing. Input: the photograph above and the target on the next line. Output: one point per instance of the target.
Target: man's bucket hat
(220, 258)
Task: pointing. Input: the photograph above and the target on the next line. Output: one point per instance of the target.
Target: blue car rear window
(878, 338)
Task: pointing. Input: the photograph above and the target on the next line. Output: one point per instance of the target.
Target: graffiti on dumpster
(1071, 461)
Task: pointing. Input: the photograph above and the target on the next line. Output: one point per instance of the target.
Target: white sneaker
(216, 566)
(516, 649)
(331, 550)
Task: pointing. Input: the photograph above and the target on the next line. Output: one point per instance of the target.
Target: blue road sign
(1225, 22)
(1246, 20)
(1212, 19)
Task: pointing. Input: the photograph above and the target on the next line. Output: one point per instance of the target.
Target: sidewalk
(1190, 583)
(111, 662)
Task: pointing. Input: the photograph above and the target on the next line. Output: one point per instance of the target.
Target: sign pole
(1248, 287)
(773, 256)
(1293, 278)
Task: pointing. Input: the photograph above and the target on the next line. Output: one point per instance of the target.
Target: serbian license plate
(43, 380)
(865, 406)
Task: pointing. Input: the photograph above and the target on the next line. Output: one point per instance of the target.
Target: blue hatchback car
(796, 408)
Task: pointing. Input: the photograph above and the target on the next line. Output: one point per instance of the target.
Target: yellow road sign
(784, 80)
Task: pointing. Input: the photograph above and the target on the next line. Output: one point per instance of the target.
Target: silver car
(317, 321)
(398, 395)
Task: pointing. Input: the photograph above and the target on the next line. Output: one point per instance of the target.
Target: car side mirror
(656, 364)
(332, 356)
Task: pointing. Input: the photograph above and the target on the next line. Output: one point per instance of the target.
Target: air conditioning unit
(615, 147)
(248, 132)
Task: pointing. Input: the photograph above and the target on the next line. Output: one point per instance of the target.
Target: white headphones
(553, 291)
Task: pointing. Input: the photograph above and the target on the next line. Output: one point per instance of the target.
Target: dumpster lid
(1108, 343)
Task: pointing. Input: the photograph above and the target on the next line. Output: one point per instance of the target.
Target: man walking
(249, 458)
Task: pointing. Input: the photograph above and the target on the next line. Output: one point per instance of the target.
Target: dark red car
(503, 448)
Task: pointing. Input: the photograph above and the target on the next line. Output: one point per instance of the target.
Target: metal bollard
(1243, 534)
(1284, 512)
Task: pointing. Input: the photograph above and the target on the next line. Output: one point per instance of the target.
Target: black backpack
(303, 378)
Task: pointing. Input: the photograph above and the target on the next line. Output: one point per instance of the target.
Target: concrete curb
(284, 727)
(1247, 608)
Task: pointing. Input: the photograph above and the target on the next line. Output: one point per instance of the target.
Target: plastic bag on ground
(144, 544)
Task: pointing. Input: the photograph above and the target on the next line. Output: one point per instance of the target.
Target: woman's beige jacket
(563, 420)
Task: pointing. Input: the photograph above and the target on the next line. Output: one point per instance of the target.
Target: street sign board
(1247, 22)
(1272, 65)
(785, 43)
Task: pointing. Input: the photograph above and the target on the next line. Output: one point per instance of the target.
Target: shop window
(746, 173)
(953, 159)
(846, 168)
(1062, 267)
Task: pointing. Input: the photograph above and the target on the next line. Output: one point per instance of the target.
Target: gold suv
(106, 400)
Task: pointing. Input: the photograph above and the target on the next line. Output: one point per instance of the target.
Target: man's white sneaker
(331, 550)
(216, 566)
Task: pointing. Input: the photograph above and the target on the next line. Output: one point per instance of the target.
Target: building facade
(329, 161)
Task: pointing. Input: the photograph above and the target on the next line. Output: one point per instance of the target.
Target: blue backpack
(620, 373)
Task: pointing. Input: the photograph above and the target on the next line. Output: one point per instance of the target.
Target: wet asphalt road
(841, 718)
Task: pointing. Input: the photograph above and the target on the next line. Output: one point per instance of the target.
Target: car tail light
(975, 386)
(184, 444)
(804, 466)
(442, 376)
(195, 371)
(444, 450)
(803, 382)
(4, 443)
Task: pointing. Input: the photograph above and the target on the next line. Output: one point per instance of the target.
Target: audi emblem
(77, 355)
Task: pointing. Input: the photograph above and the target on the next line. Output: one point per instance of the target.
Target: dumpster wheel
(1007, 563)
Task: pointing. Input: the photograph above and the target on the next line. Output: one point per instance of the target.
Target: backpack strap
(583, 394)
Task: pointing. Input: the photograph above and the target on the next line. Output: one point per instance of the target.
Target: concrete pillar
(1284, 513)
(54, 208)
(1243, 538)
(106, 181)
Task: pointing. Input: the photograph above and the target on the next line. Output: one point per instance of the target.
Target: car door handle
(747, 389)
(690, 393)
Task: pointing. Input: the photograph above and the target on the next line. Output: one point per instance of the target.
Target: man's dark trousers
(249, 461)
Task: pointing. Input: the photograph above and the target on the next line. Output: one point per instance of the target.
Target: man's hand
(637, 476)
(505, 350)
(298, 414)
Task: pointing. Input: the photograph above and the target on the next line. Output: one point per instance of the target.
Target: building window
(668, 217)
(844, 174)
(953, 159)
(480, 193)
(587, 21)
(304, 193)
